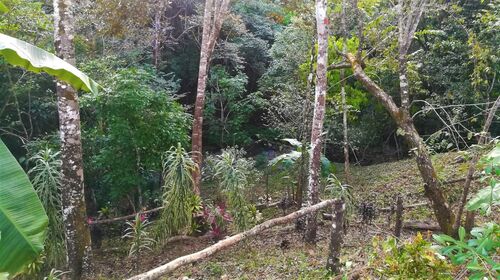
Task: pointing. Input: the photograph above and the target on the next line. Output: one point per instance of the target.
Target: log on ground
(209, 251)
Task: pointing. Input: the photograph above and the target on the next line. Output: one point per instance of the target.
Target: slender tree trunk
(432, 189)
(157, 31)
(343, 96)
(319, 113)
(303, 134)
(214, 13)
(73, 195)
(472, 166)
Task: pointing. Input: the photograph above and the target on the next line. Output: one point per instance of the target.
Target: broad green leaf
(23, 221)
(32, 58)
(485, 198)
(4, 276)
(293, 142)
(292, 156)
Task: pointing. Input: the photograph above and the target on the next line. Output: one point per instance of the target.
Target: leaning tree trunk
(319, 113)
(432, 189)
(214, 14)
(472, 165)
(77, 233)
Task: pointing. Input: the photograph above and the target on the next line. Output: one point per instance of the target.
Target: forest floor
(280, 253)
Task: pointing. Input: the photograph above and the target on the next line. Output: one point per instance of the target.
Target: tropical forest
(249, 139)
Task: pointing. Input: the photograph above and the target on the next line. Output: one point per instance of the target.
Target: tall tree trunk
(343, 93)
(77, 233)
(304, 132)
(432, 189)
(319, 113)
(214, 14)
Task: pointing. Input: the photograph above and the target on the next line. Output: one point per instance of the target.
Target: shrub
(177, 192)
(233, 173)
(414, 259)
(217, 219)
(477, 253)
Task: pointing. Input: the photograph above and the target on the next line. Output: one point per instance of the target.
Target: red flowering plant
(217, 219)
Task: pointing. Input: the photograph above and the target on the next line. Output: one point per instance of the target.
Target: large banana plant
(23, 221)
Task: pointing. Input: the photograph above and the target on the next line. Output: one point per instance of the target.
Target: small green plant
(196, 209)
(338, 190)
(232, 171)
(137, 231)
(55, 275)
(177, 192)
(486, 199)
(414, 259)
(46, 179)
(477, 253)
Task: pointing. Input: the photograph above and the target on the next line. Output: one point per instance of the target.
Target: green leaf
(32, 58)
(4, 276)
(293, 142)
(23, 221)
(3, 9)
(461, 233)
(485, 198)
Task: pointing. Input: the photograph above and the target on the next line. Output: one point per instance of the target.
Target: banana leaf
(23, 221)
(32, 58)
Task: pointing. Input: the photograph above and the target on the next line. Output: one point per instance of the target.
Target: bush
(414, 259)
(136, 119)
(234, 174)
(477, 253)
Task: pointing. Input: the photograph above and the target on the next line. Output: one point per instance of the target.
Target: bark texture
(336, 238)
(207, 252)
(399, 217)
(343, 97)
(77, 233)
(160, 6)
(215, 11)
(319, 114)
(432, 188)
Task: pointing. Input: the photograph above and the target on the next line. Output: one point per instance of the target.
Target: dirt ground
(280, 253)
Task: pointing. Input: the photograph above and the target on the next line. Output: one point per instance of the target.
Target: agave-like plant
(177, 215)
(137, 231)
(46, 179)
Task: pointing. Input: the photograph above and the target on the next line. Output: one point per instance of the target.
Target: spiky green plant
(232, 171)
(137, 231)
(55, 274)
(177, 192)
(341, 191)
(46, 179)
